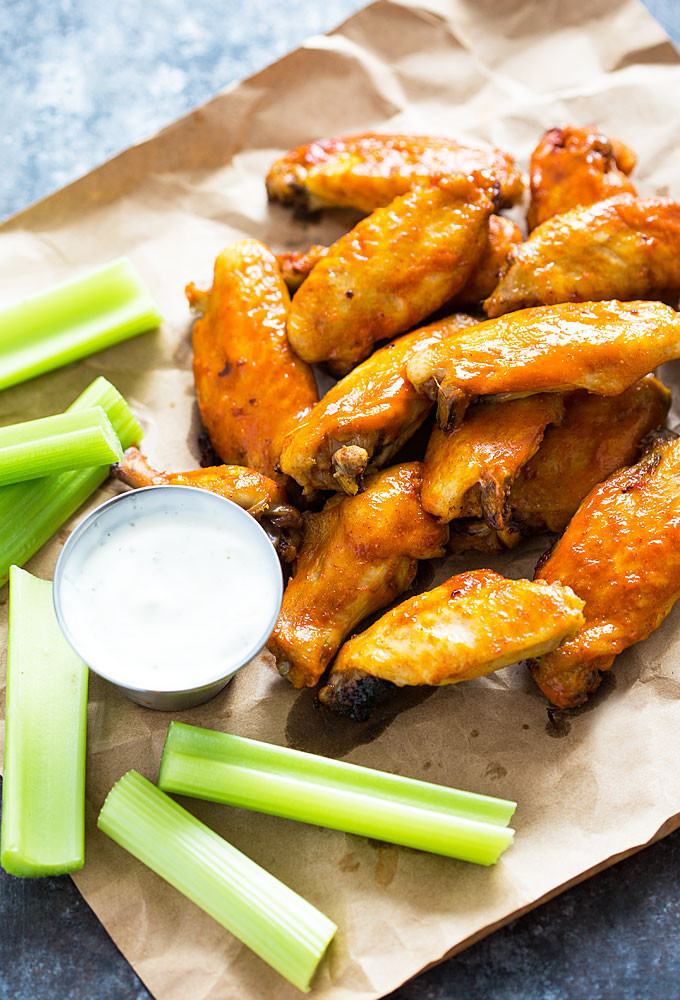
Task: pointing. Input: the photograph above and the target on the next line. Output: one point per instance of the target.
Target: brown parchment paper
(592, 786)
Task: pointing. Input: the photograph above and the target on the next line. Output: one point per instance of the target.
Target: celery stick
(31, 512)
(73, 440)
(241, 772)
(281, 927)
(73, 319)
(42, 828)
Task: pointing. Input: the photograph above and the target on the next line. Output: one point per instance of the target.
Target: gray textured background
(80, 81)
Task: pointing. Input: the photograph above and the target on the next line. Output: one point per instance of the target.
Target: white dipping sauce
(168, 588)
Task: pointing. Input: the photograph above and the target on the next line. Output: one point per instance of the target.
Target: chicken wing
(576, 166)
(368, 171)
(363, 420)
(603, 347)
(484, 455)
(622, 248)
(471, 625)
(599, 434)
(358, 554)
(621, 553)
(251, 388)
(392, 270)
(264, 499)
(502, 235)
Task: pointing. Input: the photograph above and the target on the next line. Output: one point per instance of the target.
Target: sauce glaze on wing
(368, 171)
(621, 554)
(251, 388)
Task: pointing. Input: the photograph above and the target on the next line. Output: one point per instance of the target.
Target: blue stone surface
(81, 80)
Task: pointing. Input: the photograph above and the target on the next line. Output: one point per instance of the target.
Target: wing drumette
(392, 270)
(368, 171)
(603, 347)
(599, 434)
(484, 455)
(471, 625)
(263, 498)
(621, 553)
(576, 166)
(251, 388)
(622, 248)
(358, 554)
(363, 420)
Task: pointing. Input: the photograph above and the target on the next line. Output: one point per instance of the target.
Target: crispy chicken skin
(251, 388)
(368, 171)
(358, 554)
(502, 235)
(471, 625)
(576, 166)
(603, 347)
(599, 434)
(395, 268)
(295, 265)
(364, 419)
(264, 499)
(484, 455)
(622, 248)
(621, 553)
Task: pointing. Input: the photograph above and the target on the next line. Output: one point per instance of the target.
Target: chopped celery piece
(71, 320)
(241, 772)
(31, 512)
(281, 927)
(44, 785)
(73, 440)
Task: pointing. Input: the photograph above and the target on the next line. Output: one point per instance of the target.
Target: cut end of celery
(31, 512)
(14, 862)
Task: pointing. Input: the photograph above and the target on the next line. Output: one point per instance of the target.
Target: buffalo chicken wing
(622, 248)
(576, 166)
(603, 347)
(358, 554)
(473, 624)
(599, 434)
(395, 268)
(368, 171)
(484, 455)
(251, 388)
(621, 554)
(363, 420)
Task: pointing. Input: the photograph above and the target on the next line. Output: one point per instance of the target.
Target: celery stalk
(73, 319)
(281, 927)
(42, 828)
(31, 512)
(301, 786)
(37, 448)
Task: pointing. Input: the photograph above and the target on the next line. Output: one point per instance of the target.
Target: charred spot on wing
(354, 694)
(208, 455)
(226, 370)
(494, 497)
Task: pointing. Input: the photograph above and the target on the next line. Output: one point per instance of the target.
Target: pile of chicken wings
(527, 361)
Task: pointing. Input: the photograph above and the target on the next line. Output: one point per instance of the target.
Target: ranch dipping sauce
(167, 591)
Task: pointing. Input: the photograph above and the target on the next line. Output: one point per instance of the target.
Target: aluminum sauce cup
(151, 501)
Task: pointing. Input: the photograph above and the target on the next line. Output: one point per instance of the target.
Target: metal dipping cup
(151, 501)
